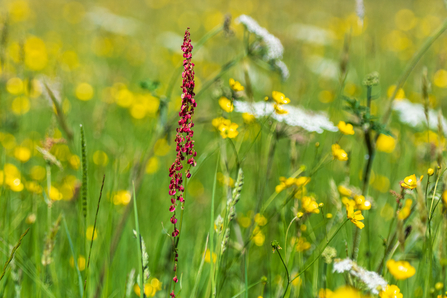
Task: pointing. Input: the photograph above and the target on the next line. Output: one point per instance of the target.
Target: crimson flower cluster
(183, 139)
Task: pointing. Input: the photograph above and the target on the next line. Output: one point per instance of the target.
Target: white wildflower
(341, 266)
(283, 70)
(108, 21)
(413, 115)
(360, 9)
(274, 47)
(312, 34)
(312, 122)
(371, 279)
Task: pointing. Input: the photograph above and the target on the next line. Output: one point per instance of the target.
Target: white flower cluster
(312, 34)
(360, 9)
(275, 49)
(282, 68)
(102, 17)
(413, 114)
(371, 279)
(273, 45)
(312, 122)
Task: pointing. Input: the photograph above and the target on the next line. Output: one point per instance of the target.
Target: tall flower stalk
(185, 145)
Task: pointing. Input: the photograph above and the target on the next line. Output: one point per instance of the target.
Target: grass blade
(12, 253)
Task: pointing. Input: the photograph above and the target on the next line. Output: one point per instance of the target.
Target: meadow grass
(319, 133)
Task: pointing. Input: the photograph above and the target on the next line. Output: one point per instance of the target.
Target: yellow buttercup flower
(226, 127)
(279, 109)
(122, 197)
(355, 217)
(345, 292)
(325, 293)
(81, 262)
(248, 118)
(406, 210)
(84, 91)
(280, 98)
(258, 237)
(310, 205)
(399, 95)
(149, 290)
(260, 219)
(22, 153)
(386, 143)
(89, 233)
(410, 182)
(430, 172)
(400, 269)
(302, 245)
(226, 104)
(236, 86)
(345, 128)
(361, 203)
(344, 191)
(339, 153)
(391, 291)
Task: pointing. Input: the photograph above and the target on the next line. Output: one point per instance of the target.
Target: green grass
(123, 89)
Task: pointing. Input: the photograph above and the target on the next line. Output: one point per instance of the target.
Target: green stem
(411, 65)
(287, 272)
(213, 282)
(321, 251)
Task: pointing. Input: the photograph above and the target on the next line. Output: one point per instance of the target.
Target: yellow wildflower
(361, 203)
(399, 95)
(344, 191)
(279, 109)
(325, 293)
(260, 219)
(280, 98)
(33, 187)
(309, 205)
(236, 86)
(89, 233)
(258, 237)
(439, 286)
(410, 182)
(248, 118)
(345, 292)
(355, 217)
(302, 181)
(149, 290)
(391, 291)
(228, 129)
(386, 143)
(54, 194)
(84, 91)
(81, 263)
(345, 128)
(430, 172)
(122, 197)
(339, 153)
(406, 210)
(400, 269)
(208, 256)
(226, 104)
(302, 245)
(100, 158)
(22, 153)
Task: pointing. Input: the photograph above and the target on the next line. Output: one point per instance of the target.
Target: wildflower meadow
(266, 149)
